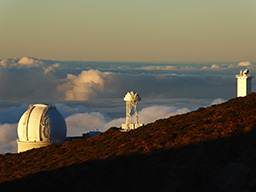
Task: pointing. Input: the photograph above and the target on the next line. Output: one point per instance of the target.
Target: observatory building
(131, 99)
(244, 86)
(39, 126)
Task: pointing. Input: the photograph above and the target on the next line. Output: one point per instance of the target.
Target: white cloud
(150, 114)
(116, 123)
(80, 120)
(159, 68)
(20, 82)
(56, 65)
(67, 111)
(231, 66)
(217, 101)
(53, 80)
(48, 69)
(3, 62)
(8, 62)
(169, 68)
(8, 136)
(214, 66)
(84, 122)
(12, 114)
(245, 63)
(85, 86)
(25, 62)
(51, 68)
(28, 61)
(28, 84)
(77, 123)
(204, 68)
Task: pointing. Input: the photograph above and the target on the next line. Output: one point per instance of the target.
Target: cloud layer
(83, 122)
(28, 78)
(149, 114)
(8, 136)
(79, 123)
(31, 80)
(80, 120)
(245, 63)
(84, 86)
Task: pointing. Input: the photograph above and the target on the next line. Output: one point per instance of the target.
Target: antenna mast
(131, 99)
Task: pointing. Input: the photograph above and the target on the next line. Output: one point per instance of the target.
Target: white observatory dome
(39, 126)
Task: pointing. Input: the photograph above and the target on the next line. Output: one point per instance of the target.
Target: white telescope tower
(131, 99)
(244, 85)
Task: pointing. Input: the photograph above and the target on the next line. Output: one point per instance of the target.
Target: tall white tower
(131, 99)
(244, 86)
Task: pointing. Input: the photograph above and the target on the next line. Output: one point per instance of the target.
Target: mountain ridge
(173, 140)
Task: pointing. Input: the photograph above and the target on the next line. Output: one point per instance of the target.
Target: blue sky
(114, 30)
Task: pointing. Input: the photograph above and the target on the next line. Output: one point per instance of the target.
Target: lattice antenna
(131, 99)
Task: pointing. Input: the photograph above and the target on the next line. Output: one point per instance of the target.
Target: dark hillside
(212, 149)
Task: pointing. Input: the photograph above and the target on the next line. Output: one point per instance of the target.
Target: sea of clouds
(89, 94)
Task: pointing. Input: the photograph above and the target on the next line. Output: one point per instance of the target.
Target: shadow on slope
(197, 166)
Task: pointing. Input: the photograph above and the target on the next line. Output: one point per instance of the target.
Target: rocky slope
(210, 149)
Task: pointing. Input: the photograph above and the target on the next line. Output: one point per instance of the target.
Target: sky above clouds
(114, 30)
